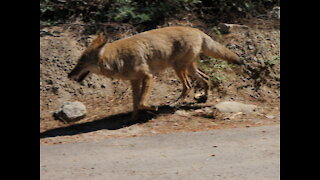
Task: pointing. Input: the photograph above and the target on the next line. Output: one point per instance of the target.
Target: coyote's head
(87, 63)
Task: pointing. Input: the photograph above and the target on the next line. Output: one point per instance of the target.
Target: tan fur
(139, 57)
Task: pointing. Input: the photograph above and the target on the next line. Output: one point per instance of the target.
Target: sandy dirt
(108, 101)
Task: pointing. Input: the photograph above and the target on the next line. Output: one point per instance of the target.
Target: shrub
(144, 11)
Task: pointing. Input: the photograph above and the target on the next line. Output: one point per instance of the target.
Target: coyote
(139, 57)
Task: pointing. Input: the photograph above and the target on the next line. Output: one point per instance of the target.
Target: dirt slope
(108, 101)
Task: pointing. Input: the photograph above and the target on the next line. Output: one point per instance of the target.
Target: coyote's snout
(88, 62)
(81, 71)
(139, 57)
(78, 75)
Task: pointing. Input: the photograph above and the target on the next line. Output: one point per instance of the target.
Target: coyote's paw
(174, 104)
(201, 98)
(150, 108)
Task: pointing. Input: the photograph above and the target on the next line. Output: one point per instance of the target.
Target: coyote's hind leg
(182, 74)
(203, 78)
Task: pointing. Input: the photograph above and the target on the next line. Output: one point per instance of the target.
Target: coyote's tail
(216, 50)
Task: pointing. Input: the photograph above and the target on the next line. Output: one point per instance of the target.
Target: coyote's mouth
(82, 76)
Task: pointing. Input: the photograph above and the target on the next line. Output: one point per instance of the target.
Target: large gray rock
(231, 106)
(71, 111)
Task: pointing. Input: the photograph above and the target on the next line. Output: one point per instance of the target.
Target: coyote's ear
(99, 40)
(100, 36)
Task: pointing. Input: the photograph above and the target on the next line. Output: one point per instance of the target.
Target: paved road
(227, 154)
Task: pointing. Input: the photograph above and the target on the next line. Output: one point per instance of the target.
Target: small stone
(270, 116)
(49, 81)
(55, 90)
(250, 47)
(275, 13)
(71, 111)
(182, 113)
(228, 28)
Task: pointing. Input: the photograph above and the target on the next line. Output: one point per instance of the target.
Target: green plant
(216, 69)
(244, 6)
(217, 32)
(147, 11)
(132, 11)
(272, 62)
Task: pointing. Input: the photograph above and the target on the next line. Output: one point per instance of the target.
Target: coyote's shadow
(114, 122)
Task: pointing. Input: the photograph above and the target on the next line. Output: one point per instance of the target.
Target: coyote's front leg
(147, 83)
(141, 90)
(135, 85)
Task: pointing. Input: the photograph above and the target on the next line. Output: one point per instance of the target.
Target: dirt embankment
(108, 101)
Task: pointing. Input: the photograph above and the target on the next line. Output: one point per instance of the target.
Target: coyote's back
(138, 57)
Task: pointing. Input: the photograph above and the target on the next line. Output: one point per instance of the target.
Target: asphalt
(227, 154)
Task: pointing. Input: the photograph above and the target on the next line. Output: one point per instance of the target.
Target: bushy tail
(216, 50)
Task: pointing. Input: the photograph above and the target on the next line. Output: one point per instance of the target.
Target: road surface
(227, 154)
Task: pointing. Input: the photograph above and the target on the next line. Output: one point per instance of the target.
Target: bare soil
(108, 101)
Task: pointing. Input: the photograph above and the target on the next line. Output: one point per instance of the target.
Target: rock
(49, 81)
(206, 112)
(233, 116)
(182, 113)
(275, 13)
(228, 28)
(55, 90)
(71, 111)
(250, 47)
(270, 116)
(231, 106)
(45, 33)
